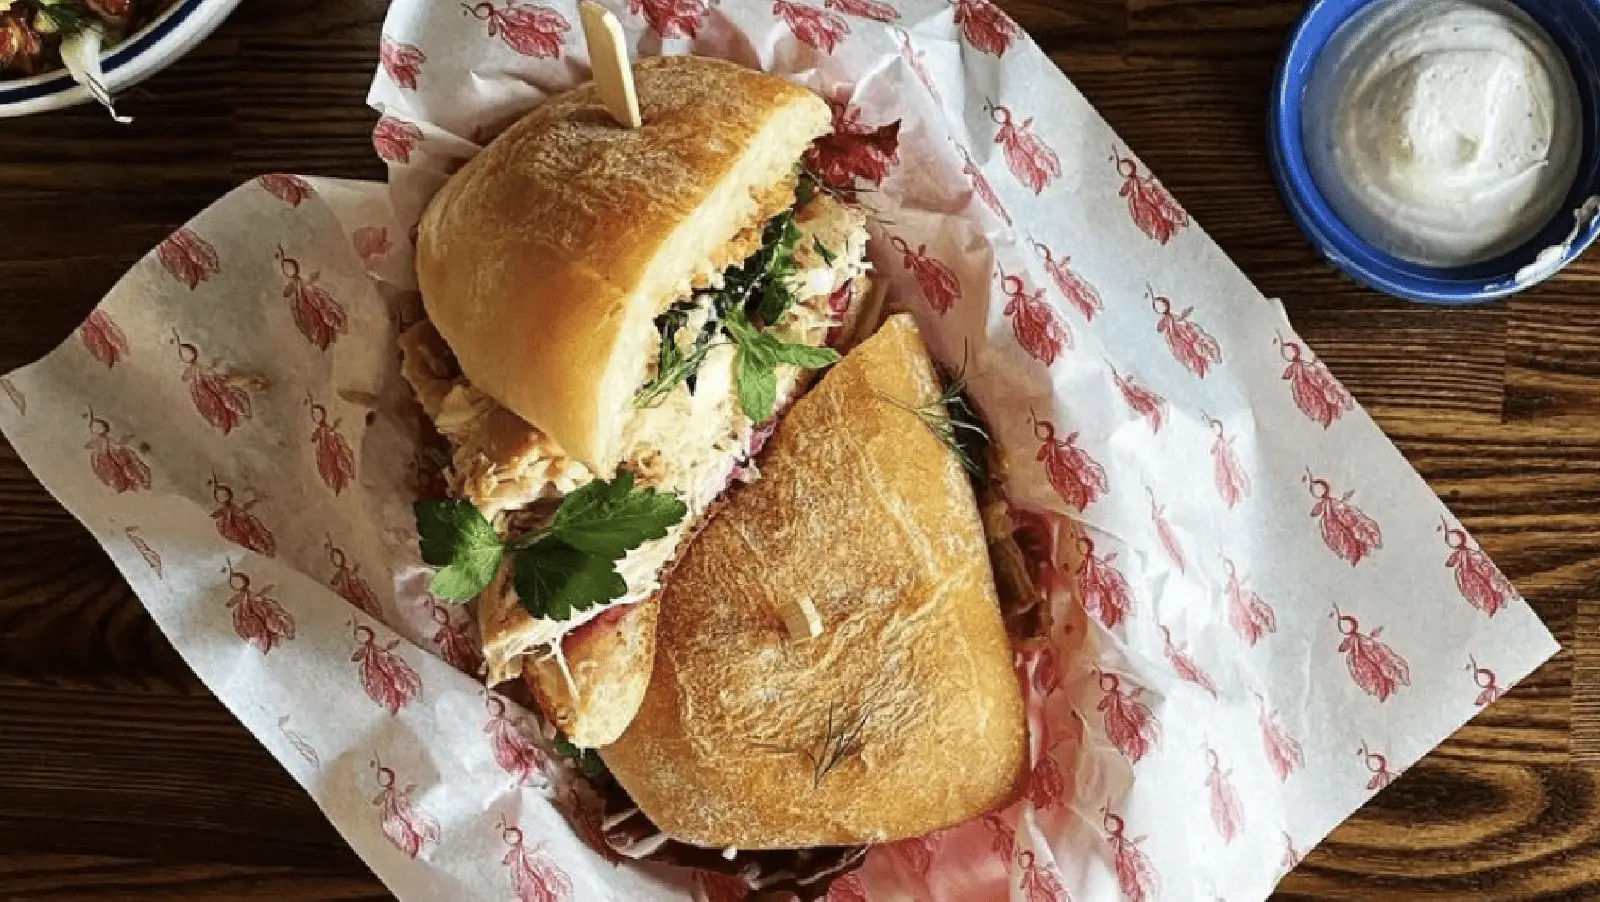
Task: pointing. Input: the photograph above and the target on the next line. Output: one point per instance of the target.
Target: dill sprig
(954, 421)
(844, 735)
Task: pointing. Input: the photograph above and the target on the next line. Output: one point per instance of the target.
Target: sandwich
(614, 319)
(887, 706)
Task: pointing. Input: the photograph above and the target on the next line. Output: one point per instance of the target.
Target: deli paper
(1261, 612)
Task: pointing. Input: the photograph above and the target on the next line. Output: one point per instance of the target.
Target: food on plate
(614, 319)
(34, 34)
(903, 715)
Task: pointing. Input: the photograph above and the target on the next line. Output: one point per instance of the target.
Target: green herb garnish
(673, 366)
(777, 297)
(822, 251)
(568, 566)
(69, 17)
(756, 370)
(587, 760)
(954, 421)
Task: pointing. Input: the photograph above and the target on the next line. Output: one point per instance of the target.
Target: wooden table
(112, 755)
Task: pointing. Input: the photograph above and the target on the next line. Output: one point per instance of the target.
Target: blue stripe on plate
(119, 56)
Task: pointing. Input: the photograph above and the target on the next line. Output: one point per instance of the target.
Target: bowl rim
(1331, 237)
(170, 35)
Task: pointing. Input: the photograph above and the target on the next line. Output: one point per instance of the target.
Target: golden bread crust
(862, 512)
(545, 259)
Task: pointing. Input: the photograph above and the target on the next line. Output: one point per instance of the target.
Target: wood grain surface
(113, 757)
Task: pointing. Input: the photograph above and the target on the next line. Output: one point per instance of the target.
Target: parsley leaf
(456, 537)
(610, 519)
(553, 579)
(760, 354)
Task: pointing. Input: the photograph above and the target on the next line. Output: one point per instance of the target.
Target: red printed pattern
(1154, 210)
(188, 258)
(388, 680)
(938, 283)
(816, 28)
(1029, 158)
(410, 828)
(1034, 322)
(1374, 666)
(535, 875)
(534, 31)
(403, 62)
(237, 523)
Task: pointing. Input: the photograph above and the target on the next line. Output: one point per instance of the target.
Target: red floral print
(1315, 391)
(985, 27)
(1378, 766)
(1250, 617)
(347, 582)
(1283, 751)
(914, 58)
(1373, 665)
(453, 640)
(1130, 724)
(403, 62)
(535, 31)
(1144, 402)
(188, 258)
(1078, 292)
(1075, 476)
(1185, 666)
(291, 189)
(981, 186)
(1037, 328)
(1047, 787)
(221, 401)
(1002, 834)
(1041, 883)
(816, 28)
(410, 828)
(317, 315)
(1233, 483)
(394, 140)
(1226, 813)
(258, 618)
(938, 283)
(336, 463)
(1166, 535)
(237, 523)
(1490, 691)
(513, 750)
(1103, 589)
(387, 678)
(535, 875)
(1136, 875)
(671, 18)
(1291, 855)
(853, 152)
(1348, 533)
(1154, 211)
(864, 9)
(1190, 344)
(371, 244)
(117, 466)
(103, 338)
(1477, 578)
(1029, 158)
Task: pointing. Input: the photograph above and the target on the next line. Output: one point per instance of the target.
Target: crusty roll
(544, 261)
(904, 716)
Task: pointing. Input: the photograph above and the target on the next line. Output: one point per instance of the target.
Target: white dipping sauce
(1446, 132)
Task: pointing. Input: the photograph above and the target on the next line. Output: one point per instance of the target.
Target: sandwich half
(607, 303)
(903, 714)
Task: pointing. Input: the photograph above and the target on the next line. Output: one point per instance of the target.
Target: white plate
(140, 56)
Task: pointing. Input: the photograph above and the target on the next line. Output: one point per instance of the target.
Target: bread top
(544, 261)
(905, 715)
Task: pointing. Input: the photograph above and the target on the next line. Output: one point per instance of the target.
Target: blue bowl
(1575, 27)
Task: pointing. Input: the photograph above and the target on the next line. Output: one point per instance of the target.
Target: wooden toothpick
(608, 59)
